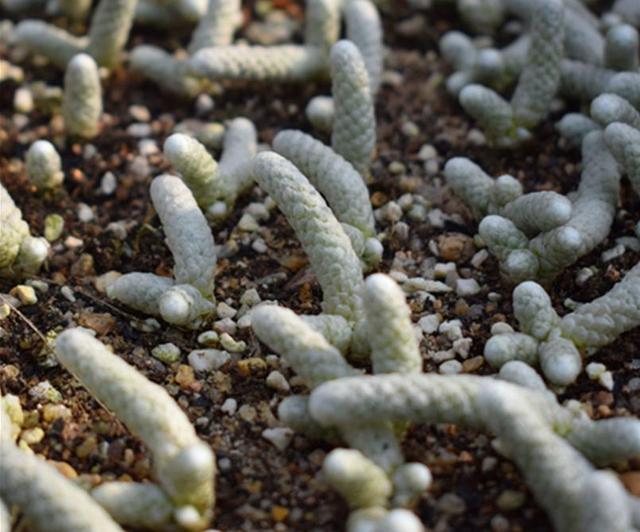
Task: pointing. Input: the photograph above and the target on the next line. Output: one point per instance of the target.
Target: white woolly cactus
(188, 299)
(183, 465)
(537, 235)
(170, 72)
(109, 30)
(217, 26)
(364, 29)
(49, 501)
(624, 143)
(108, 34)
(529, 425)
(44, 166)
(20, 253)
(374, 473)
(621, 51)
(556, 343)
(354, 125)
(82, 104)
(609, 108)
(322, 24)
(330, 252)
(340, 184)
(575, 126)
(54, 43)
(215, 186)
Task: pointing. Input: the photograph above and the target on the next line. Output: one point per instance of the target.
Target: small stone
(427, 151)
(44, 391)
(67, 293)
(442, 269)
(277, 381)
(38, 285)
(280, 437)
(225, 325)
(462, 346)
(396, 167)
(478, 259)
(510, 500)
(204, 104)
(232, 345)
(208, 338)
(499, 523)
(451, 504)
(450, 367)
(32, 436)
(185, 376)
(248, 223)
(139, 130)
(87, 447)
(250, 298)
(148, 147)
(430, 323)
(442, 356)
(247, 413)
(409, 129)
(472, 364)
(118, 230)
(225, 311)
(606, 380)
(452, 329)
(230, 406)
(140, 113)
(108, 184)
(594, 370)
(249, 366)
(23, 100)
(72, 242)
(26, 294)
(53, 227)
(418, 283)
(208, 359)
(455, 247)
(5, 311)
(613, 253)
(279, 513)
(584, 275)
(476, 137)
(168, 353)
(52, 412)
(467, 287)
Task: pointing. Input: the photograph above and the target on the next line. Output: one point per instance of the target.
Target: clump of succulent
(108, 34)
(216, 186)
(44, 166)
(556, 344)
(20, 253)
(82, 103)
(48, 500)
(375, 472)
(184, 466)
(548, 442)
(536, 236)
(188, 298)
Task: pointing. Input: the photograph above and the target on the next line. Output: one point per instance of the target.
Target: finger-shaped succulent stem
(258, 63)
(533, 310)
(607, 441)
(82, 105)
(538, 212)
(335, 178)
(52, 42)
(560, 361)
(511, 346)
(187, 233)
(621, 48)
(361, 482)
(184, 305)
(354, 124)
(44, 166)
(364, 29)
(601, 321)
(471, 183)
(294, 412)
(336, 330)
(135, 505)
(628, 10)
(312, 357)
(183, 465)
(626, 85)
(540, 77)
(320, 111)
(109, 30)
(329, 249)
(522, 374)
(140, 291)
(575, 126)
(394, 347)
(239, 148)
(164, 69)
(50, 502)
(609, 108)
(483, 16)
(217, 26)
(624, 143)
(583, 81)
(322, 24)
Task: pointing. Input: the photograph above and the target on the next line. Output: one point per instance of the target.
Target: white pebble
(280, 437)
(207, 359)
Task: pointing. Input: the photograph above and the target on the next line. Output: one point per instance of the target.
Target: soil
(258, 486)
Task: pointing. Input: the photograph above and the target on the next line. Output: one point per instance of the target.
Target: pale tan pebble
(168, 353)
(232, 345)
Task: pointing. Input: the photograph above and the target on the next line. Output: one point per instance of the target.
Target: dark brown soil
(258, 486)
